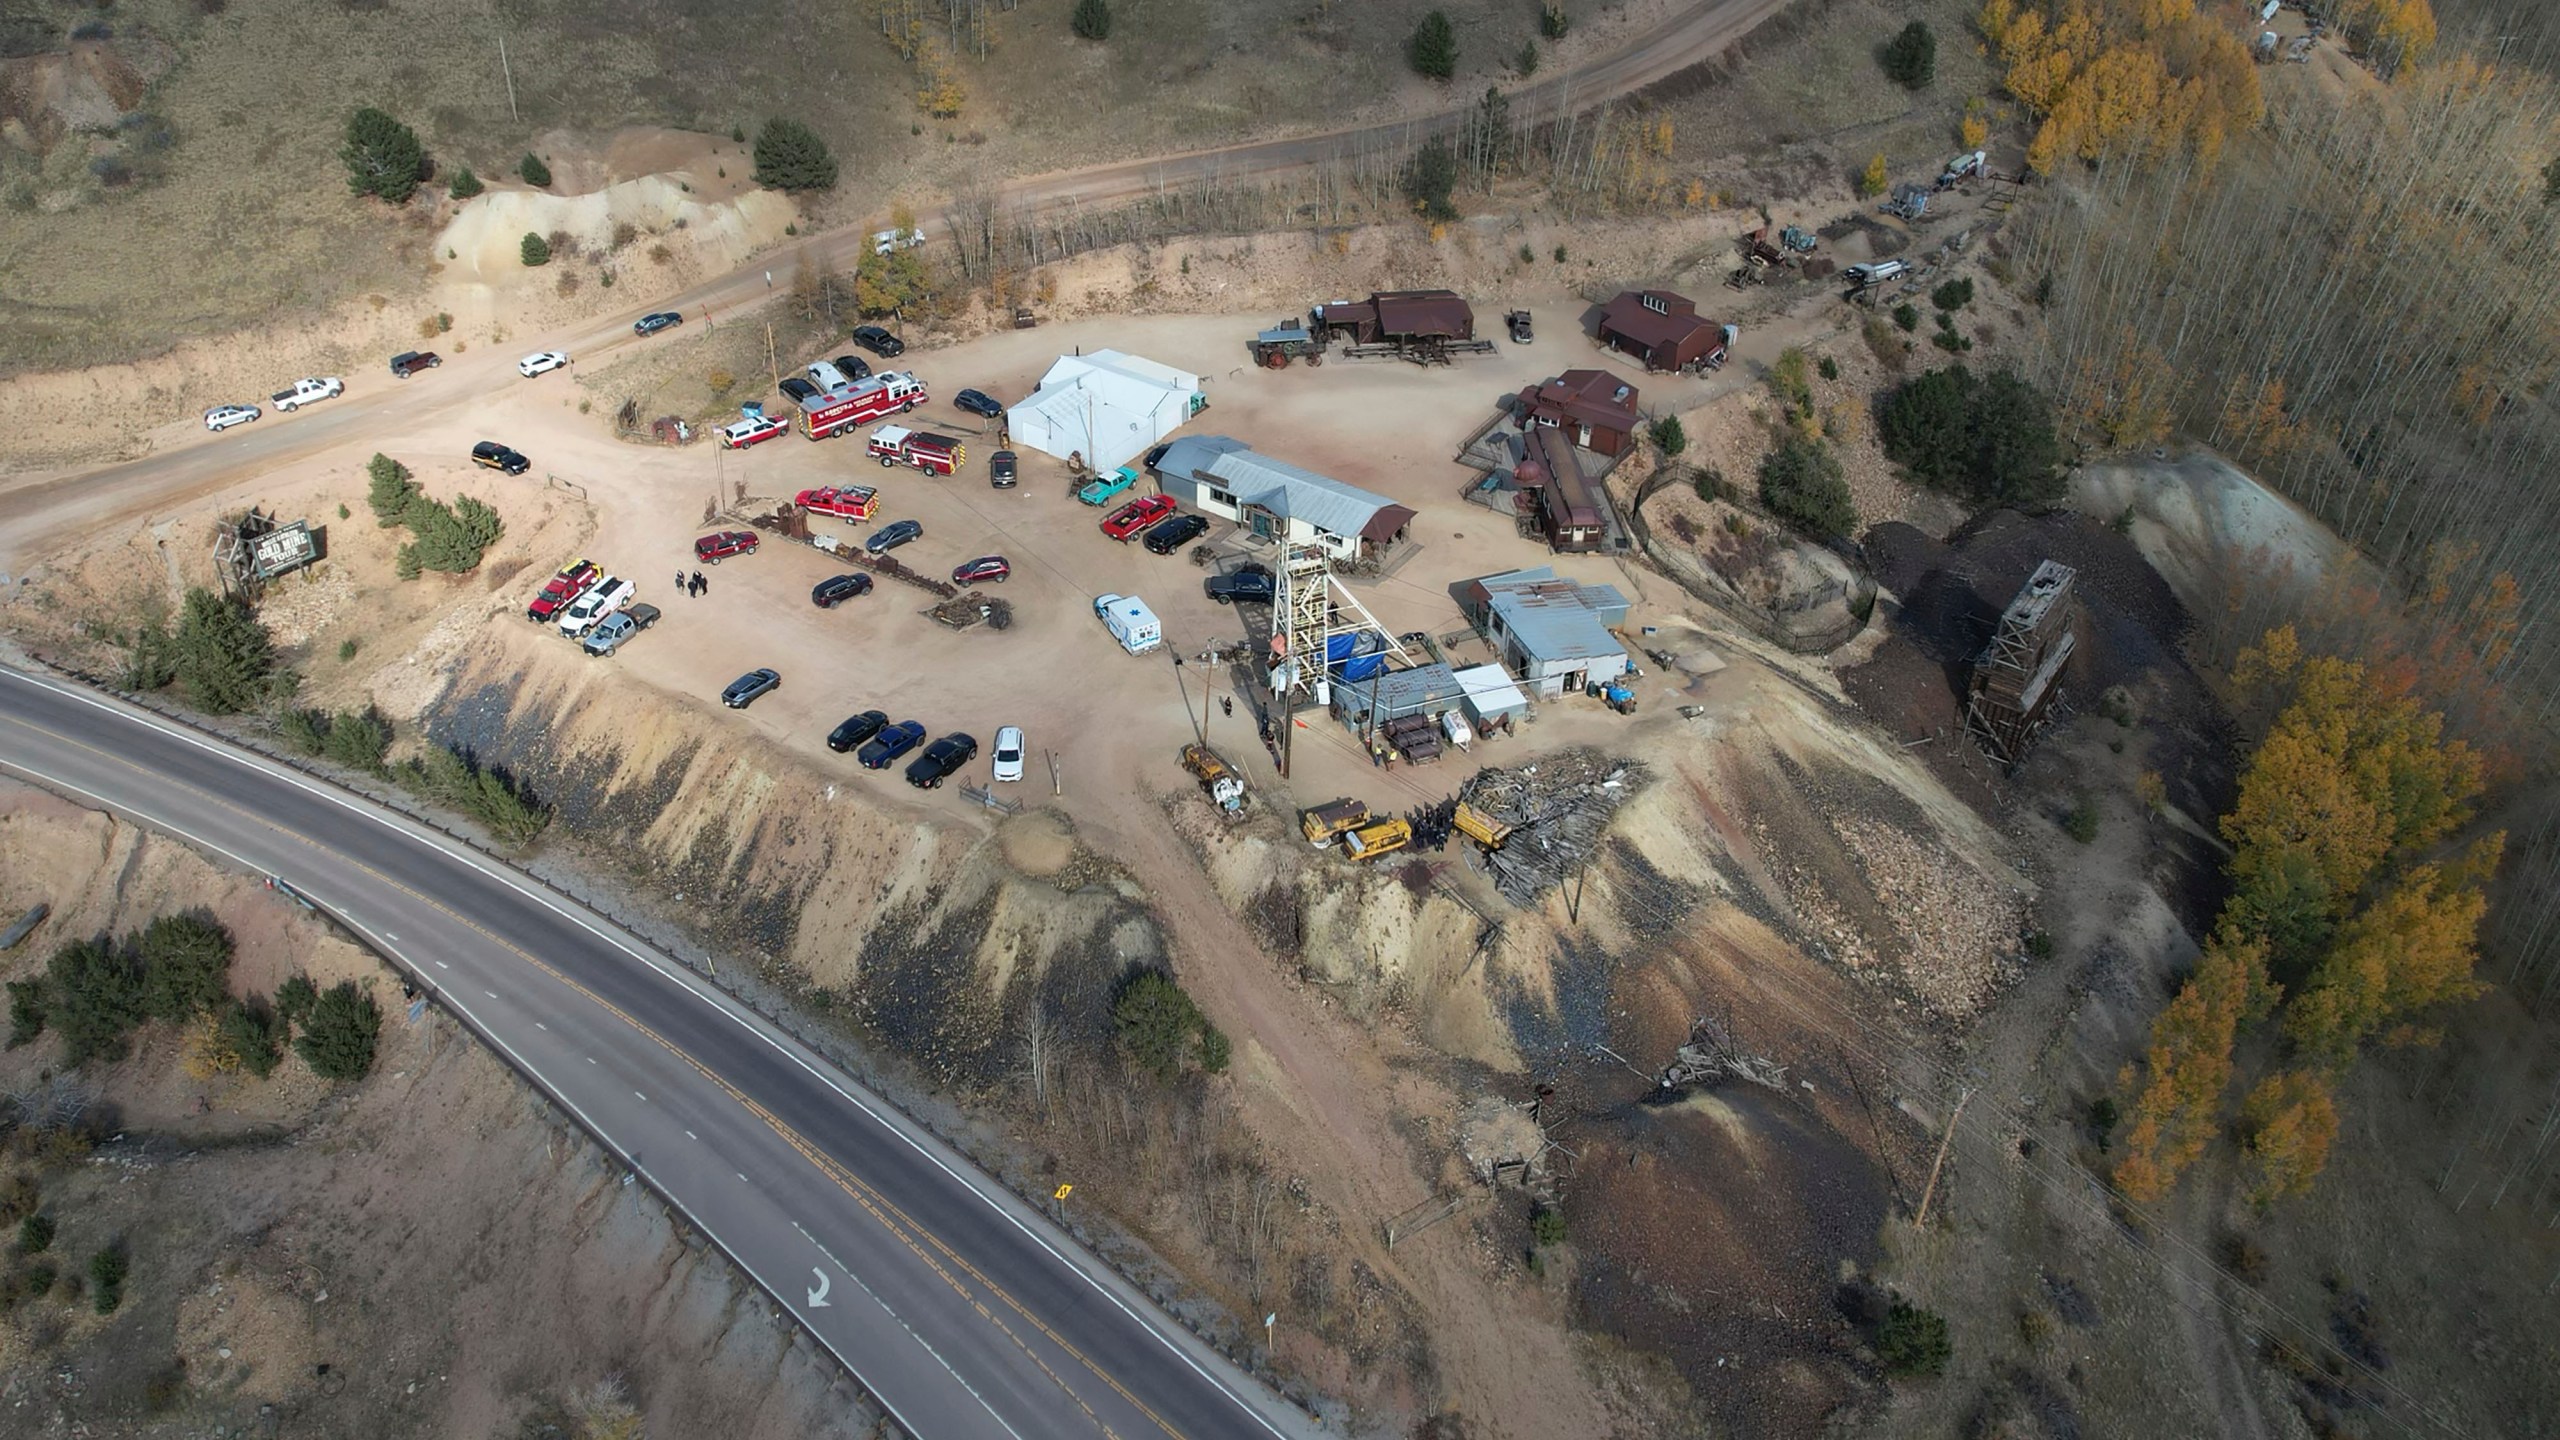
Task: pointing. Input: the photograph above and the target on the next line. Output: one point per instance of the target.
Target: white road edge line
(718, 999)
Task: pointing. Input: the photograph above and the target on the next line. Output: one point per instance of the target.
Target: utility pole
(510, 72)
(1930, 1190)
(769, 361)
(1196, 732)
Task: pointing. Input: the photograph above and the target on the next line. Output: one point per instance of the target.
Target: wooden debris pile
(1712, 1056)
(962, 611)
(1558, 810)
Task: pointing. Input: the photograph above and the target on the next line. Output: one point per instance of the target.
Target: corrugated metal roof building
(1221, 475)
(1554, 633)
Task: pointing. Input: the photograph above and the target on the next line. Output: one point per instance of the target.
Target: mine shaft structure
(2018, 676)
(1309, 607)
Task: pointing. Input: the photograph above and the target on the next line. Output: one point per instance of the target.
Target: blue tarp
(1357, 655)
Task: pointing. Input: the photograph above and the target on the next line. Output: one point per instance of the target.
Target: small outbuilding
(1662, 329)
(1593, 408)
(1219, 475)
(1556, 634)
(1107, 407)
(1492, 701)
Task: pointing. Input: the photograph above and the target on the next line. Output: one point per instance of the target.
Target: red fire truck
(932, 454)
(835, 411)
(847, 502)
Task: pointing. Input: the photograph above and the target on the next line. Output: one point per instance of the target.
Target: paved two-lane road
(959, 1307)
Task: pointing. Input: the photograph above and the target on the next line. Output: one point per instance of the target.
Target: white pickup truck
(303, 392)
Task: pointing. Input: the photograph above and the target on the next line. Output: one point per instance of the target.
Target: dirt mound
(486, 233)
(1741, 1204)
(88, 88)
(2131, 622)
(1039, 843)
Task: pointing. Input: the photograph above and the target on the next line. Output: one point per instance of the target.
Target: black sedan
(879, 342)
(747, 688)
(1249, 586)
(489, 454)
(892, 535)
(836, 589)
(652, 324)
(979, 402)
(853, 368)
(1175, 533)
(889, 744)
(856, 729)
(1001, 470)
(928, 770)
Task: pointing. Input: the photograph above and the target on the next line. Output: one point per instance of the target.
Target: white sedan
(541, 361)
(1008, 756)
(223, 417)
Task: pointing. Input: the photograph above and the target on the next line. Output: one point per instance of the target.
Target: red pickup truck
(562, 589)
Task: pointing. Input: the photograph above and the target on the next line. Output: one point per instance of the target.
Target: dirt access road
(38, 510)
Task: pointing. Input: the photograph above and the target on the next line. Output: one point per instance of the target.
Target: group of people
(693, 584)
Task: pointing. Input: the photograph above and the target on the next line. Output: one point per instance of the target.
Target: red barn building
(1662, 329)
(1593, 408)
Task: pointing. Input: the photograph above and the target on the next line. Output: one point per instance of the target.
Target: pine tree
(382, 156)
(465, 184)
(390, 491)
(533, 250)
(1911, 58)
(1092, 19)
(1433, 50)
(222, 655)
(790, 156)
(533, 171)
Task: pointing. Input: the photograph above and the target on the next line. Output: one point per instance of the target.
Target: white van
(1130, 622)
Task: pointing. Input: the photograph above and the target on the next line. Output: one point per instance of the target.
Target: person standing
(700, 585)
(680, 580)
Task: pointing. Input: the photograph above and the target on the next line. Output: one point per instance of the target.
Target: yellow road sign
(1062, 1192)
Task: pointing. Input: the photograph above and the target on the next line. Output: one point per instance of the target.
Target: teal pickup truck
(1103, 489)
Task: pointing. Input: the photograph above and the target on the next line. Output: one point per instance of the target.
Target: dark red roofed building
(1662, 329)
(1593, 408)
(1396, 317)
(1568, 511)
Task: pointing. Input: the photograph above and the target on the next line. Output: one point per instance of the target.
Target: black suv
(828, 593)
(1175, 533)
(928, 770)
(651, 324)
(410, 362)
(856, 729)
(744, 690)
(491, 455)
(1248, 586)
(879, 342)
(800, 391)
(853, 368)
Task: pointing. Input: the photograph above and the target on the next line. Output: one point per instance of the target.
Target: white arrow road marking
(818, 1298)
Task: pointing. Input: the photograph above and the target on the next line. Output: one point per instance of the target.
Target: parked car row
(597, 610)
(876, 742)
(293, 397)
